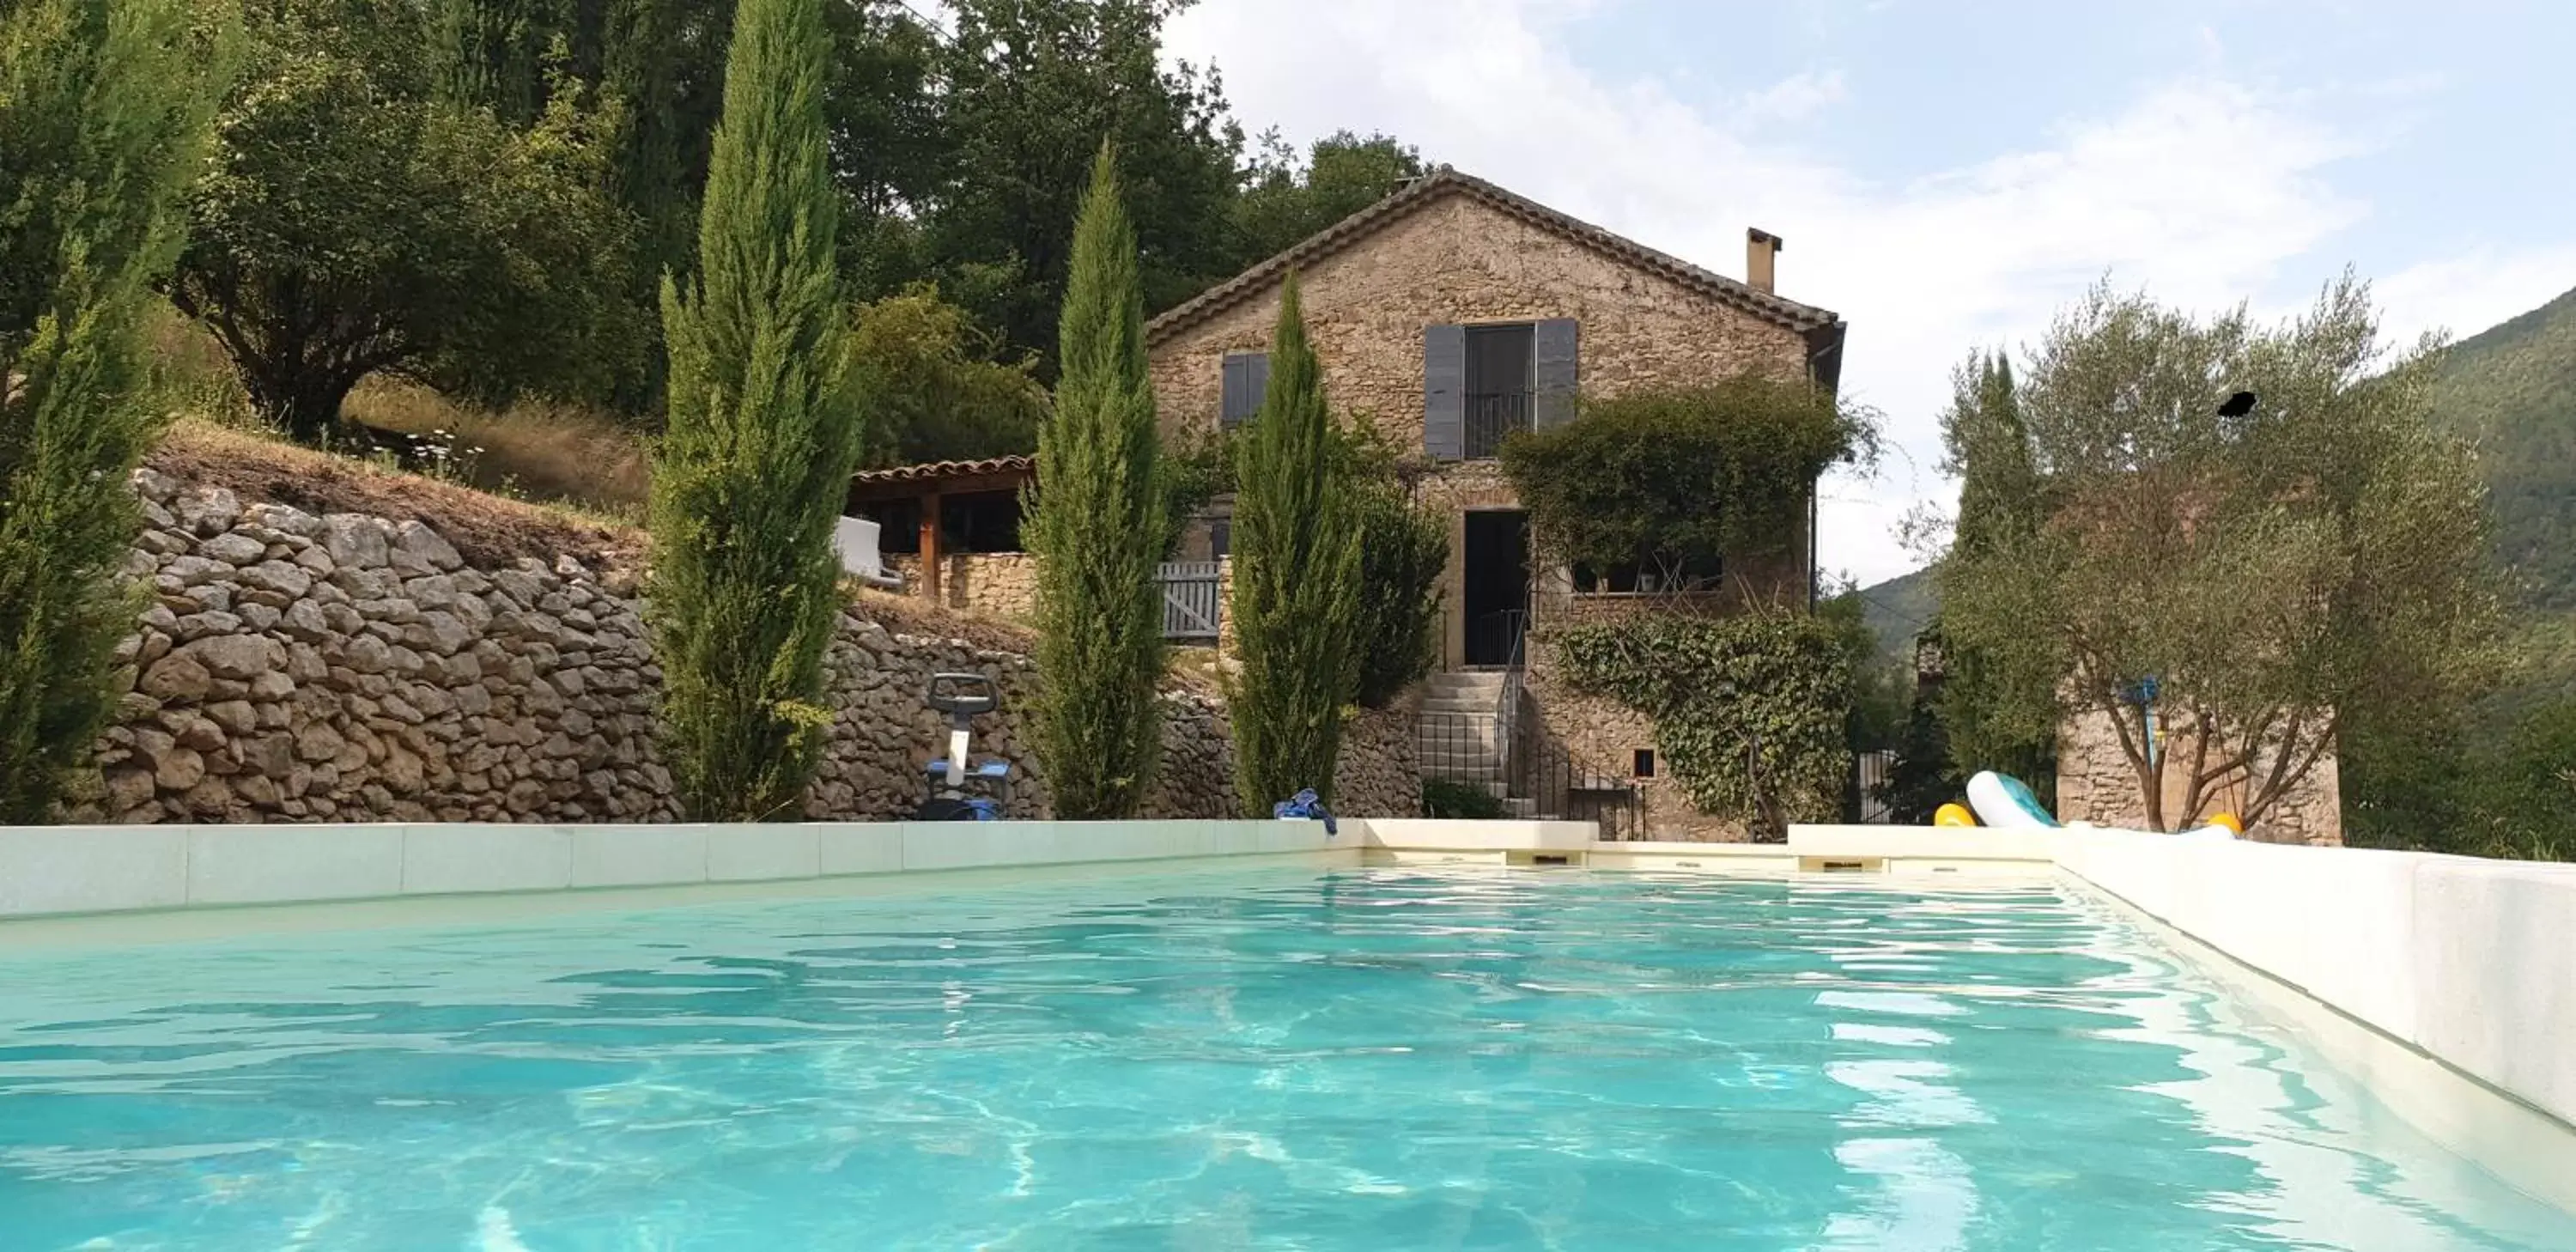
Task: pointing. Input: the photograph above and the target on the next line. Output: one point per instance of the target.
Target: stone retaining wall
(350, 668)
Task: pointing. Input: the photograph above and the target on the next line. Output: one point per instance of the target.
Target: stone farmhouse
(1450, 313)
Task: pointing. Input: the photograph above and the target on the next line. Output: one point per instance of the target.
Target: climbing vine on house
(1680, 478)
(1749, 710)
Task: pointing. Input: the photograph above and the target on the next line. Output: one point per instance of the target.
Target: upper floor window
(1246, 377)
(1500, 377)
(1481, 383)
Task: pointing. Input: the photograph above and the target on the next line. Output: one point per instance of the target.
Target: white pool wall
(2470, 961)
(55, 870)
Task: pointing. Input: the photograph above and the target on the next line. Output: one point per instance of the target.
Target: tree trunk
(303, 403)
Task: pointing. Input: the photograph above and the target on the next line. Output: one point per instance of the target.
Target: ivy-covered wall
(1745, 715)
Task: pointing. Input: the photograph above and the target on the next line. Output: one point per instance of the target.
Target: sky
(1948, 173)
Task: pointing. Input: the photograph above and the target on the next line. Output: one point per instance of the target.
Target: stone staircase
(1456, 737)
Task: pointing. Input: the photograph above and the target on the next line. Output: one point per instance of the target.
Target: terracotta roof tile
(1446, 181)
(930, 470)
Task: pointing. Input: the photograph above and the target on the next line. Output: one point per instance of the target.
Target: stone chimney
(1759, 247)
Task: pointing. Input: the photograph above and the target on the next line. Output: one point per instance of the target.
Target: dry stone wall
(1004, 584)
(294, 667)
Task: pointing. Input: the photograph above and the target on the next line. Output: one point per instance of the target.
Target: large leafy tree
(930, 388)
(891, 152)
(1031, 86)
(354, 221)
(1099, 526)
(1286, 199)
(1296, 581)
(749, 479)
(495, 54)
(2271, 569)
(104, 110)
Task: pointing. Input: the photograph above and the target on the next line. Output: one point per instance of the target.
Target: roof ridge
(1445, 178)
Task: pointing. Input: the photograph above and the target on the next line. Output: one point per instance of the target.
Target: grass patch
(488, 530)
(535, 449)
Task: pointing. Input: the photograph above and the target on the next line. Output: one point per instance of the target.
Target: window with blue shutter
(1555, 346)
(1247, 377)
(1444, 392)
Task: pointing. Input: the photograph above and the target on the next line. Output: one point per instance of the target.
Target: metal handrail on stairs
(1507, 710)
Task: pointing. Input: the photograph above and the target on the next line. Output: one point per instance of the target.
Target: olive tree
(2238, 576)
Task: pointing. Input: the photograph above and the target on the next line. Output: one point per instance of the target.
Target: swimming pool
(1365, 1058)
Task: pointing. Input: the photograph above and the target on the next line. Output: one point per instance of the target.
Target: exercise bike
(961, 791)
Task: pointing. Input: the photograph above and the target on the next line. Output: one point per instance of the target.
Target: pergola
(965, 499)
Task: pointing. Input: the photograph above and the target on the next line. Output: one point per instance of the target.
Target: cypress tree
(1296, 582)
(1992, 719)
(1099, 526)
(105, 107)
(1999, 487)
(750, 476)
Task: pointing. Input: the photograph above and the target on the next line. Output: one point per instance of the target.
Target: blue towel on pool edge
(1304, 804)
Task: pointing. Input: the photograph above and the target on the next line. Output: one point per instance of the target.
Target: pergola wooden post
(930, 547)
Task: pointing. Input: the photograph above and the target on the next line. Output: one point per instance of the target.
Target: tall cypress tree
(1296, 582)
(750, 476)
(1099, 525)
(105, 107)
(1991, 718)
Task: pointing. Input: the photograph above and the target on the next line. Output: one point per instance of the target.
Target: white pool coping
(2447, 983)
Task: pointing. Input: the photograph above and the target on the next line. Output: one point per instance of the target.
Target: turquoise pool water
(1367, 1059)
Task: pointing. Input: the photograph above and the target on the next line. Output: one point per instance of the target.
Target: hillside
(2512, 389)
(1897, 609)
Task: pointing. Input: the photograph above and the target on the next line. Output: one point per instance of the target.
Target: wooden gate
(1190, 600)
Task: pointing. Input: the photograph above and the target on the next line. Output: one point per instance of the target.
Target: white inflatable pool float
(2001, 801)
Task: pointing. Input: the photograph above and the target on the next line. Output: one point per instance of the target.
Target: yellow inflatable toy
(2229, 821)
(1953, 815)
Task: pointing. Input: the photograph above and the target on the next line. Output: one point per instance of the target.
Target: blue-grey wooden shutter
(1444, 392)
(1247, 379)
(1555, 347)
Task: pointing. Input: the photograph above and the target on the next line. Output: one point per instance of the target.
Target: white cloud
(2467, 293)
(2200, 191)
(1799, 96)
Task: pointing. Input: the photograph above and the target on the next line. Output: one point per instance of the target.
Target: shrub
(1404, 548)
(1296, 581)
(1099, 528)
(750, 478)
(104, 110)
(1444, 797)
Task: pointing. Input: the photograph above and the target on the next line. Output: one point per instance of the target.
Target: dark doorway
(1497, 592)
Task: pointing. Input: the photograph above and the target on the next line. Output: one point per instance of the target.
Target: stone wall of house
(2096, 783)
(1460, 261)
(349, 668)
(1002, 584)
